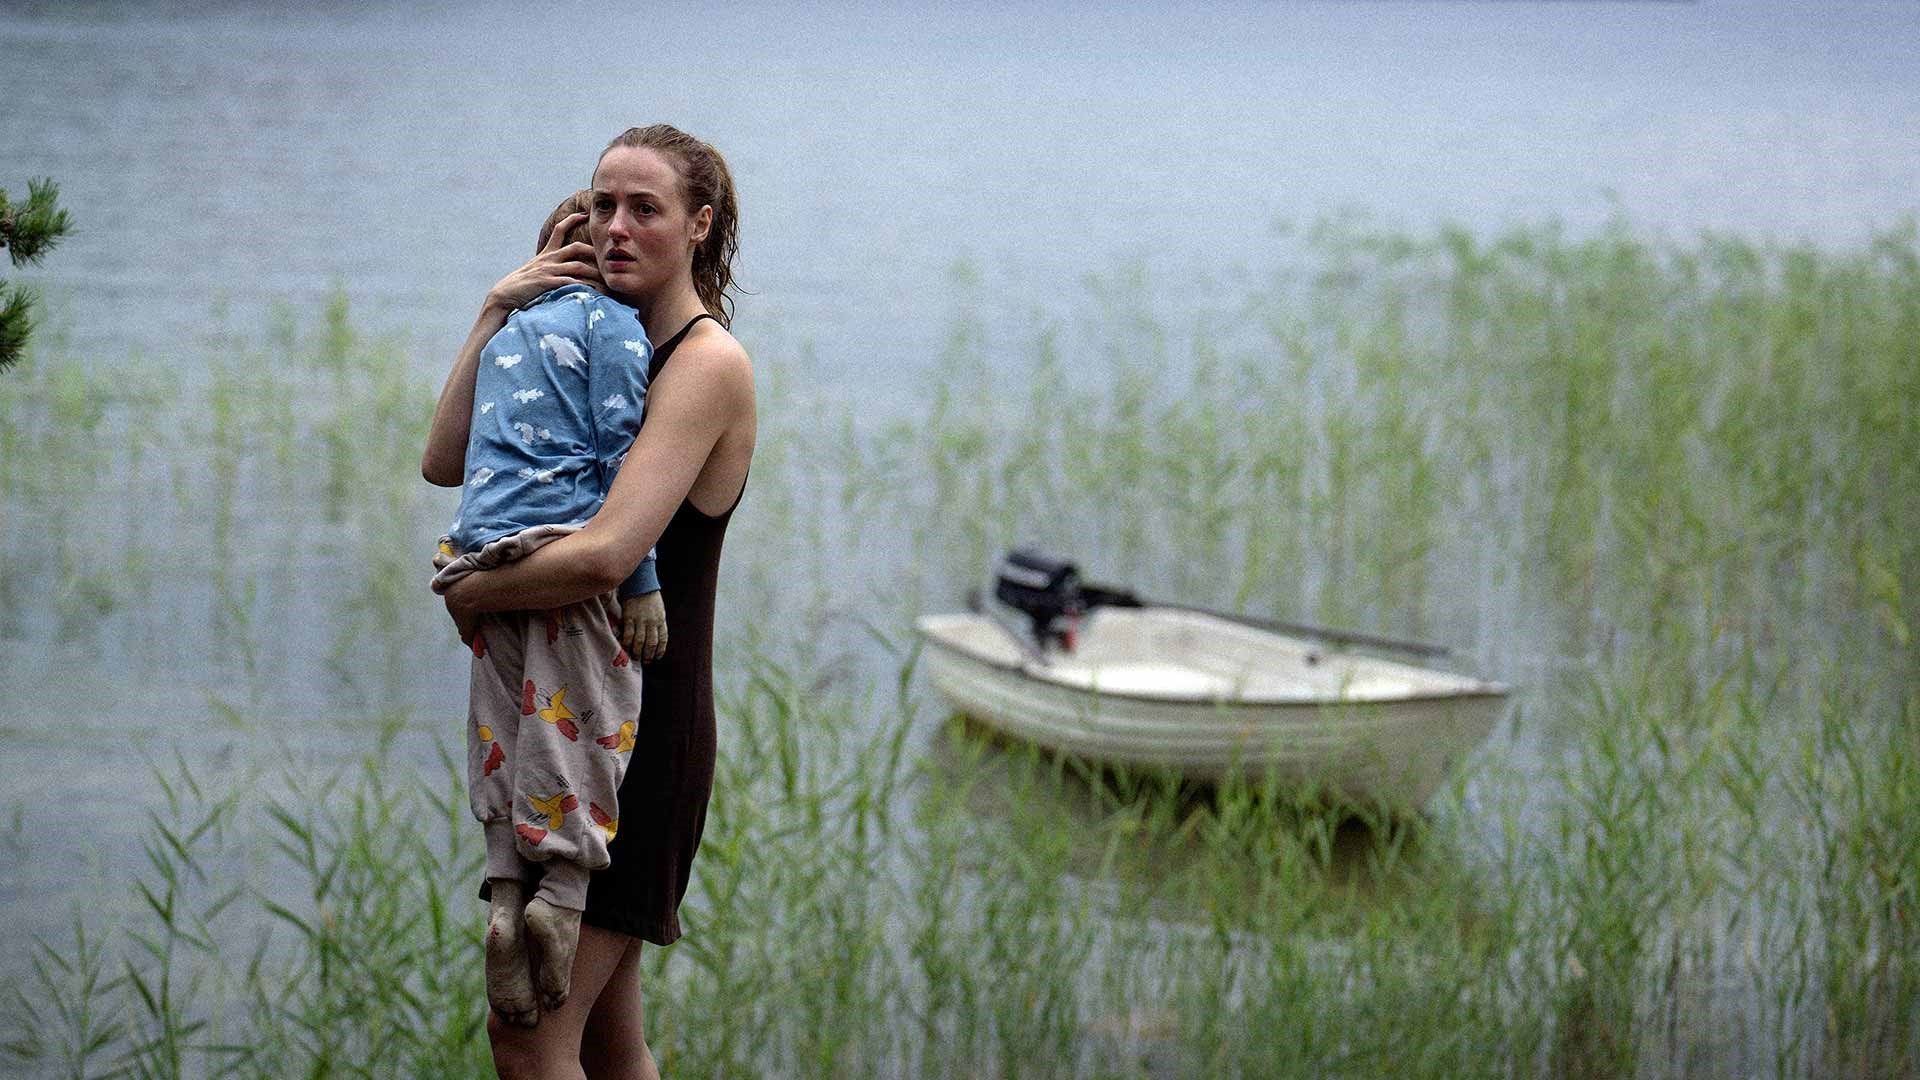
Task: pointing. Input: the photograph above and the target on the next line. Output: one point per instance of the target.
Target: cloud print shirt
(556, 403)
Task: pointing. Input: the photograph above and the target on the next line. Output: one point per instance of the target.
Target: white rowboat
(1207, 696)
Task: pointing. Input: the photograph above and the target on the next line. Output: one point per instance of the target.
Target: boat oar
(1098, 595)
(1324, 633)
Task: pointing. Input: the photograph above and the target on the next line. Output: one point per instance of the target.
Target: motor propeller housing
(1049, 591)
(1045, 589)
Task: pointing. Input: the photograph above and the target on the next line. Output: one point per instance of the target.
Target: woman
(663, 234)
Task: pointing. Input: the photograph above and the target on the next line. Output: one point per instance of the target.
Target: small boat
(1123, 682)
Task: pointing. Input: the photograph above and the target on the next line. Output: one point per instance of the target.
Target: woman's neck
(666, 312)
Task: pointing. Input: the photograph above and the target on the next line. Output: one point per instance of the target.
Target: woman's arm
(557, 264)
(445, 462)
(704, 398)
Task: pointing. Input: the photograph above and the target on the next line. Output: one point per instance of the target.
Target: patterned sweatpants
(551, 716)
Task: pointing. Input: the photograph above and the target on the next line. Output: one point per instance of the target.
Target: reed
(1671, 490)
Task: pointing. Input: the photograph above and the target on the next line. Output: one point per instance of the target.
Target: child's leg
(499, 652)
(509, 971)
(493, 734)
(580, 704)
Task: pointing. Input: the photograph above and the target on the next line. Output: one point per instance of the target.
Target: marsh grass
(324, 933)
(1672, 491)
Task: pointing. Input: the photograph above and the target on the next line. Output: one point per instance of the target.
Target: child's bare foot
(556, 935)
(509, 981)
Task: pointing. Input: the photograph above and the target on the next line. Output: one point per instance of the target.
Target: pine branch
(29, 230)
(16, 322)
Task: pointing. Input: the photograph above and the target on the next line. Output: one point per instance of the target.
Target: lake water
(231, 154)
(227, 161)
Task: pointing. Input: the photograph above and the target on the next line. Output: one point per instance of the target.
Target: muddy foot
(509, 980)
(556, 934)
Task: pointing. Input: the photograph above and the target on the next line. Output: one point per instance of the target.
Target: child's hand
(643, 626)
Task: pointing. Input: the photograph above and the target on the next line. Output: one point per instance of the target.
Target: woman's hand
(643, 626)
(557, 264)
(466, 621)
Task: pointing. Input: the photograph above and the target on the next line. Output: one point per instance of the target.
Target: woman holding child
(661, 236)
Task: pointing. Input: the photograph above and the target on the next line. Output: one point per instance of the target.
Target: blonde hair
(705, 180)
(580, 202)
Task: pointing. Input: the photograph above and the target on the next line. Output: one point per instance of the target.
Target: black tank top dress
(663, 799)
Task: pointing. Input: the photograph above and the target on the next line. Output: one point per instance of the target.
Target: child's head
(580, 202)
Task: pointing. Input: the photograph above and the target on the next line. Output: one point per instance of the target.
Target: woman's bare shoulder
(711, 354)
(711, 364)
(716, 346)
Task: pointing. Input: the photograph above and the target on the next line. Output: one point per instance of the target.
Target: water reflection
(1149, 832)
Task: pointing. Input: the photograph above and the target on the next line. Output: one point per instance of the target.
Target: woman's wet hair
(580, 202)
(705, 180)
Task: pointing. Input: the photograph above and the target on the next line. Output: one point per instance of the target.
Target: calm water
(239, 153)
(232, 157)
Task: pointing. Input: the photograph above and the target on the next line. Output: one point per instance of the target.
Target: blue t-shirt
(556, 403)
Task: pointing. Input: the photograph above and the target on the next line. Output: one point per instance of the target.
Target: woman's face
(642, 232)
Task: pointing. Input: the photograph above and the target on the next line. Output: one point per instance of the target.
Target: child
(554, 698)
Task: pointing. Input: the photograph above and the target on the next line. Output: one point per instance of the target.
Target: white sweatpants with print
(552, 710)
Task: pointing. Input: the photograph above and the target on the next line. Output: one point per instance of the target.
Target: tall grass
(330, 940)
(1670, 490)
(981, 910)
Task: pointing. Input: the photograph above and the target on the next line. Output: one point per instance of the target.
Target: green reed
(1020, 920)
(1671, 491)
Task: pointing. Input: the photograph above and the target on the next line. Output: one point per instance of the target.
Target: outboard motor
(1047, 590)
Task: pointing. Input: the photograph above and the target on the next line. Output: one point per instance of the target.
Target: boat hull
(1389, 748)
